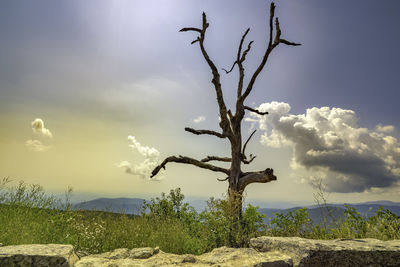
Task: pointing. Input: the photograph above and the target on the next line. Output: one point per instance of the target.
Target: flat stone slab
(264, 252)
(338, 252)
(38, 255)
(223, 257)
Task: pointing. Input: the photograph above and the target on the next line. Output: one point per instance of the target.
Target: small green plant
(253, 224)
(215, 219)
(291, 224)
(384, 224)
(171, 210)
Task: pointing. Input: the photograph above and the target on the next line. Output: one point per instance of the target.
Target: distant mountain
(382, 202)
(118, 205)
(317, 213)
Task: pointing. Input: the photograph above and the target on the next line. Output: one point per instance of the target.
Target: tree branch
(271, 46)
(187, 160)
(244, 158)
(228, 71)
(190, 29)
(195, 41)
(278, 32)
(271, 19)
(222, 180)
(256, 177)
(239, 53)
(198, 132)
(243, 58)
(241, 44)
(224, 124)
(240, 59)
(248, 139)
(210, 158)
(245, 161)
(283, 41)
(230, 115)
(256, 110)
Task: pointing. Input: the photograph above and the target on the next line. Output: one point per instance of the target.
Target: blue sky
(96, 72)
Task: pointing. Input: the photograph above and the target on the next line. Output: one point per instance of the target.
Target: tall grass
(28, 215)
(384, 225)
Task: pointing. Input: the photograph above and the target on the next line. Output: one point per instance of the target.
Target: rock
(275, 264)
(142, 253)
(218, 257)
(81, 253)
(339, 252)
(120, 253)
(264, 252)
(158, 259)
(225, 256)
(189, 258)
(38, 255)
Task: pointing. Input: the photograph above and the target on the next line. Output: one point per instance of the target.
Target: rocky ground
(263, 251)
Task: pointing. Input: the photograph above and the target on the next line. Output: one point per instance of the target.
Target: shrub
(291, 224)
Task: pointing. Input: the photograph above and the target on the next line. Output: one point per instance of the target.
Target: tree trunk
(235, 205)
(235, 196)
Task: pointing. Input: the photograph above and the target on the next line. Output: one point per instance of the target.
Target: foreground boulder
(38, 255)
(263, 252)
(218, 257)
(339, 252)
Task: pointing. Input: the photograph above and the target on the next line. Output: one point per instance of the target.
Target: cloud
(355, 159)
(199, 119)
(125, 165)
(148, 152)
(144, 168)
(385, 129)
(36, 145)
(38, 128)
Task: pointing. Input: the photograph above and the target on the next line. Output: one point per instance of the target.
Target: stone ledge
(38, 255)
(338, 252)
(264, 252)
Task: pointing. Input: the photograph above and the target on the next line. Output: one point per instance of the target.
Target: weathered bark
(256, 177)
(199, 132)
(187, 160)
(230, 123)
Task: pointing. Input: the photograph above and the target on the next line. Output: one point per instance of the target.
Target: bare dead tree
(230, 123)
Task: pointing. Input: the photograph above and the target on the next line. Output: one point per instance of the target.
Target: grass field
(28, 215)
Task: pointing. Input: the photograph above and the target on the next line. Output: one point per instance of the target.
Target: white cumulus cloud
(385, 128)
(38, 128)
(356, 159)
(199, 119)
(148, 152)
(36, 145)
(143, 169)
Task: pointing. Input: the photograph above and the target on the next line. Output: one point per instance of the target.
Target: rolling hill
(118, 205)
(317, 213)
(134, 206)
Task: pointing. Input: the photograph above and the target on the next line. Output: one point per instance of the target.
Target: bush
(291, 224)
(384, 225)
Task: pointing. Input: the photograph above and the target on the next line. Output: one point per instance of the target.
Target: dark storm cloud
(356, 159)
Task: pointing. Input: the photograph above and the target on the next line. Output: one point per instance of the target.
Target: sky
(94, 94)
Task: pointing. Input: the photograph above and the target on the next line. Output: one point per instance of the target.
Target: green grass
(28, 215)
